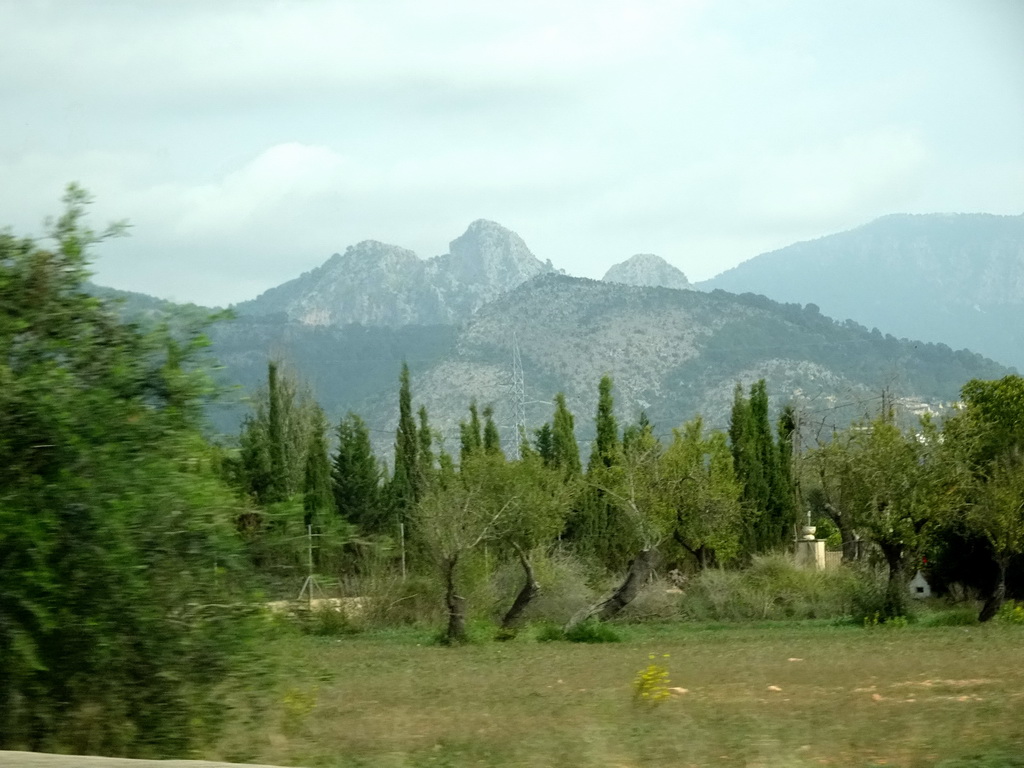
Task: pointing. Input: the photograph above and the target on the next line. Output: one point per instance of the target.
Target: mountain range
(957, 279)
(458, 320)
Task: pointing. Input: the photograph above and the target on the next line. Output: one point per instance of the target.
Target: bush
(1011, 613)
(592, 632)
(773, 587)
(564, 590)
(328, 622)
(655, 603)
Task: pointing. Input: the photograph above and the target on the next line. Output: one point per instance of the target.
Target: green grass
(848, 696)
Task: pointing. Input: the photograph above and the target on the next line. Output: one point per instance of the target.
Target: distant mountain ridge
(957, 279)
(674, 354)
(373, 283)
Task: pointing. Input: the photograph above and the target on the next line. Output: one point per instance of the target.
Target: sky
(246, 142)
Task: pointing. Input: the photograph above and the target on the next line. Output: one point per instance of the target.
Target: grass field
(797, 694)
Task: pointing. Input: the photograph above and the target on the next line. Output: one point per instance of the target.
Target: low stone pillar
(810, 554)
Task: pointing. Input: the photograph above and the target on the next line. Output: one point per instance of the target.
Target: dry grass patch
(909, 697)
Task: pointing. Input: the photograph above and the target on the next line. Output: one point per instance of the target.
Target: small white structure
(919, 587)
(810, 552)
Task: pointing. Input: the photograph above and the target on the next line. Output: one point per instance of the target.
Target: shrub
(773, 587)
(328, 622)
(592, 632)
(1011, 613)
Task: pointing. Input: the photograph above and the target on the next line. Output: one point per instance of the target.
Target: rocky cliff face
(374, 283)
(648, 271)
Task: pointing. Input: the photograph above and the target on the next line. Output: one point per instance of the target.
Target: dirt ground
(41, 760)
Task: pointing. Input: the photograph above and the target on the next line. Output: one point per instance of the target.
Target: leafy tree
(704, 493)
(998, 513)
(541, 504)
(116, 532)
(988, 435)
(356, 478)
(633, 489)
(899, 487)
(456, 514)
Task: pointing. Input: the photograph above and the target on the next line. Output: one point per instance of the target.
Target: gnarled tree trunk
(637, 577)
(456, 632)
(531, 588)
(995, 600)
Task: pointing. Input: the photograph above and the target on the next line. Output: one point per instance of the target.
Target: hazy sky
(248, 141)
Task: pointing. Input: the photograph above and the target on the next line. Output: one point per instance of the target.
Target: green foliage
(565, 452)
(118, 556)
(762, 467)
(404, 489)
(771, 588)
(491, 438)
(328, 622)
(605, 451)
(705, 495)
(356, 478)
(276, 436)
(1010, 613)
(317, 492)
(592, 632)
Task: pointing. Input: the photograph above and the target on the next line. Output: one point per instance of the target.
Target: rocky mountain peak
(375, 283)
(647, 270)
(488, 252)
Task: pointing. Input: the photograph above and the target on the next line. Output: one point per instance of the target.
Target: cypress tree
(404, 492)
(601, 527)
(277, 485)
(317, 496)
(491, 438)
(470, 434)
(565, 451)
(543, 443)
(356, 477)
(786, 484)
(425, 459)
(606, 441)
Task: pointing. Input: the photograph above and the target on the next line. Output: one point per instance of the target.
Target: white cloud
(249, 140)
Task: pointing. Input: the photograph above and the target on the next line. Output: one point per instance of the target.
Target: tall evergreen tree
(277, 487)
(787, 489)
(606, 441)
(317, 493)
(543, 444)
(275, 437)
(404, 491)
(491, 438)
(470, 434)
(565, 451)
(425, 460)
(356, 477)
